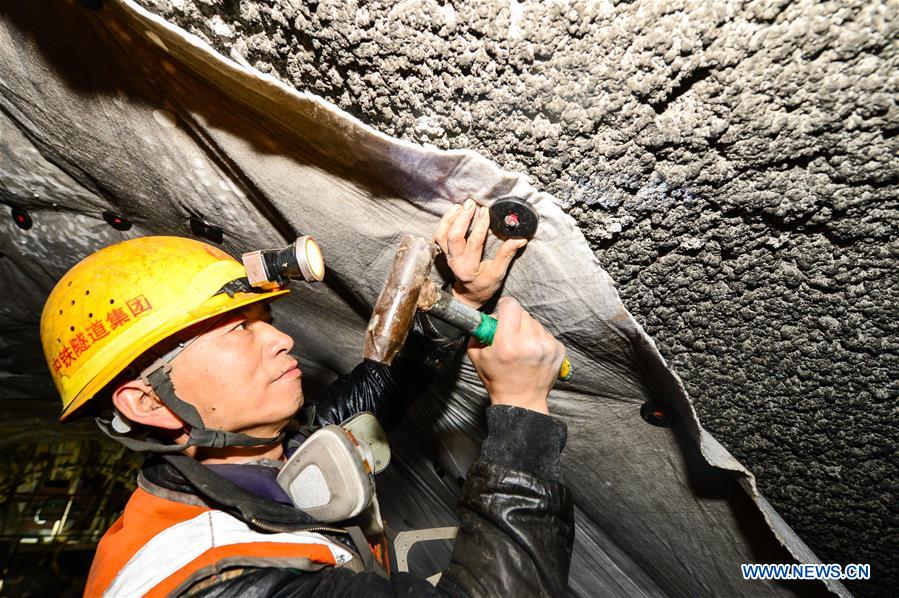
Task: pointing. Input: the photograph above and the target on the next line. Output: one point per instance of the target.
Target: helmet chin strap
(157, 376)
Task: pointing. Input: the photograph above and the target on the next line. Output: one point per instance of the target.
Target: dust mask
(331, 476)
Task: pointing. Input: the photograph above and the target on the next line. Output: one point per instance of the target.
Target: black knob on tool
(513, 218)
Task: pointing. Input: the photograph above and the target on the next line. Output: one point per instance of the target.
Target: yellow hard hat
(119, 302)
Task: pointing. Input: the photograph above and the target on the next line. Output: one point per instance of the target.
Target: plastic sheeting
(117, 110)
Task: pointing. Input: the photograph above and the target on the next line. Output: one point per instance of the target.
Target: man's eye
(242, 326)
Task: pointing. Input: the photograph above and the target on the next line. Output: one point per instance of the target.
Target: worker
(164, 343)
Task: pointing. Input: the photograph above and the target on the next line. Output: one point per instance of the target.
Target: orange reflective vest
(159, 546)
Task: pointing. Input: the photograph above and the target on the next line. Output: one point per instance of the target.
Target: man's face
(239, 374)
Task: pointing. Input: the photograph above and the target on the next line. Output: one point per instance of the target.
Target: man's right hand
(522, 364)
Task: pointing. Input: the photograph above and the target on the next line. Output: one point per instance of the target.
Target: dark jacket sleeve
(387, 391)
(517, 516)
(515, 539)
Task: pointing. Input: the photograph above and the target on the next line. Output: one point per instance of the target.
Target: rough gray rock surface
(735, 165)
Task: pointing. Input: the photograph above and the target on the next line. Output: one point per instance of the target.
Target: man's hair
(101, 403)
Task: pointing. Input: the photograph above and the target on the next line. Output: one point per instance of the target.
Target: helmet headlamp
(272, 268)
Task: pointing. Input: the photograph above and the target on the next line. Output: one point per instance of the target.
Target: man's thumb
(507, 251)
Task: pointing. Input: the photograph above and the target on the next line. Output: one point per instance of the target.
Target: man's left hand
(477, 280)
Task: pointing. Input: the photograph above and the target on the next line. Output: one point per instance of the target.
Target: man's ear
(137, 402)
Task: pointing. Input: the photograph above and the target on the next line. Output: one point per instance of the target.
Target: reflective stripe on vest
(181, 550)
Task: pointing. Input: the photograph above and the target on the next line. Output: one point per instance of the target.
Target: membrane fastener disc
(657, 413)
(513, 218)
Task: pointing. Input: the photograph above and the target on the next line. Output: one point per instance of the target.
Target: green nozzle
(485, 330)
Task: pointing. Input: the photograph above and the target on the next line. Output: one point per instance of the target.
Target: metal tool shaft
(481, 326)
(452, 311)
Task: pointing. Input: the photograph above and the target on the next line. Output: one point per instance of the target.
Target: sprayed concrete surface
(734, 165)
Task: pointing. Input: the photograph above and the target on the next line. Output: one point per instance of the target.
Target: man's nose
(281, 342)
